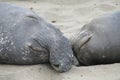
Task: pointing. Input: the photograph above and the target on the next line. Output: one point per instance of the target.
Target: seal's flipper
(81, 39)
(85, 37)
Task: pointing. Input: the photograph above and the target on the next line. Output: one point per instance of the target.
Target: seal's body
(25, 38)
(98, 42)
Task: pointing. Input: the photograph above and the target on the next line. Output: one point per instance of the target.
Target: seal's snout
(61, 64)
(62, 67)
(61, 54)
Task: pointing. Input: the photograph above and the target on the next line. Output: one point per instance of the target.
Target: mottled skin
(98, 42)
(25, 38)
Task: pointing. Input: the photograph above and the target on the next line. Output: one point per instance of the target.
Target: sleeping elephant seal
(25, 38)
(98, 42)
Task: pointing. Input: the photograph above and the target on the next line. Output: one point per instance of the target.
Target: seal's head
(55, 49)
(57, 46)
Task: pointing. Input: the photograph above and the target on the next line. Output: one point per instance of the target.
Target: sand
(69, 16)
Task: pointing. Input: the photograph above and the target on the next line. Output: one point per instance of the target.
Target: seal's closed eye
(34, 46)
(32, 17)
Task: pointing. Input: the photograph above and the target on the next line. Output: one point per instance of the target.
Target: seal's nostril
(56, 65)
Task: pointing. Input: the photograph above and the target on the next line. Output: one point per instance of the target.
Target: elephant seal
(25, 38)
(98, 42)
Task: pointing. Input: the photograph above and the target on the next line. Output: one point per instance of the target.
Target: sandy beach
(69, 16)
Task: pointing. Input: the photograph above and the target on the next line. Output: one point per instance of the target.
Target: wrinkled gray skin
(25, 38)
(98, 42)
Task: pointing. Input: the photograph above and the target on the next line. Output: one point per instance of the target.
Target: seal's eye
(32, 17)
(34, 46)
(38, 49)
